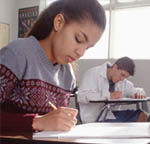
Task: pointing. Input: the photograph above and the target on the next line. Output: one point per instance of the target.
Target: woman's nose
(80, 51)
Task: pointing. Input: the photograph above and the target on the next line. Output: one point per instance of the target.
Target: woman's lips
(70, 59)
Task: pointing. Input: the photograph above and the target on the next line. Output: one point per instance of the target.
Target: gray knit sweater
(28, 80)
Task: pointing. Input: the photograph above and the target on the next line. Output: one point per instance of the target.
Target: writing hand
(62, 119)
(139, 93)
(138, 96)
(116, 95)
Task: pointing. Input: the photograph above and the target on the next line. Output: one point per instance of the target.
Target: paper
(131, 99)
(122, 100)
(101, 130)
(115, 141)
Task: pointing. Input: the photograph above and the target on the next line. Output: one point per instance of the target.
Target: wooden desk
(26, 138)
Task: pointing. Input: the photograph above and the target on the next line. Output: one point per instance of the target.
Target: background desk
(108, 104)
(124, 100)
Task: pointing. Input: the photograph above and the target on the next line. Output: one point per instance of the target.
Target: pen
(52, 105)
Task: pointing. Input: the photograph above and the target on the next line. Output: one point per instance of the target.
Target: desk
(26, 138)
(123, 100)
(108, 104)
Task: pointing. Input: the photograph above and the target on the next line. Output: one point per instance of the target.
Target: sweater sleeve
(16, 122)
(12, 68)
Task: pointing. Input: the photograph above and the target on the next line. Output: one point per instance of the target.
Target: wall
(8, 14)
(27, 3)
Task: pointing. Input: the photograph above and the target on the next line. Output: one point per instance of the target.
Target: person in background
(36, 70)
(105, 82)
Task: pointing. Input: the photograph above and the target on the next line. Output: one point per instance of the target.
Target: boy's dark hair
(127, 64)
(73, 10)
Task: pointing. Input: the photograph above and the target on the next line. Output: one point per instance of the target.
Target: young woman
(37, 69)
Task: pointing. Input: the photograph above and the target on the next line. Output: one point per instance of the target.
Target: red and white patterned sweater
(28, 81)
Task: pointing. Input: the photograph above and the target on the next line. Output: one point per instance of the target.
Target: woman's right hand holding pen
(61, 119)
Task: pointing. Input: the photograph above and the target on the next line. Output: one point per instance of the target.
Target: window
(127, 30)
(131, 33)
(48, 2)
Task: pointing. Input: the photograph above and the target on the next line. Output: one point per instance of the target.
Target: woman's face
(68, 42)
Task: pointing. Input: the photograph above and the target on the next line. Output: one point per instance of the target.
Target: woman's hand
(62, 119)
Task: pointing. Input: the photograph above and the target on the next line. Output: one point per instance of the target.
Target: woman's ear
(59, 22)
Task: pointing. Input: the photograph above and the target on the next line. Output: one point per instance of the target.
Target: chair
(75, 93)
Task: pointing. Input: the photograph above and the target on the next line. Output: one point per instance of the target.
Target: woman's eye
(77, 40)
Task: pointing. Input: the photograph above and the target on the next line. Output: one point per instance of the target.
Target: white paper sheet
(131, 99)
(101, 130)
